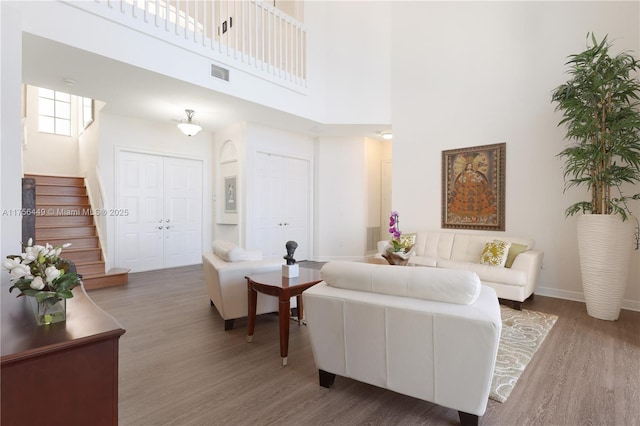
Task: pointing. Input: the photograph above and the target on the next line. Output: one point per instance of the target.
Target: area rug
(522, 334)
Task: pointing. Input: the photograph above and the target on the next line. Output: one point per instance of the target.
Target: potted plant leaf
(601, 112)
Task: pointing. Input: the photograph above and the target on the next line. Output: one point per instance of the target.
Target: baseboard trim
(631, 305)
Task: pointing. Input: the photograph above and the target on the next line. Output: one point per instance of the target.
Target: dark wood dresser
(58, 374)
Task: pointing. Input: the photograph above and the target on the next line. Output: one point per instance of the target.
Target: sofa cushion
(232, 253)
(442, 285)
(514, 251)
(495, 253)
(434, 244)
(488, 273)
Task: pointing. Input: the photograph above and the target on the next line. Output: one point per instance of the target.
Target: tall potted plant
(601, 111)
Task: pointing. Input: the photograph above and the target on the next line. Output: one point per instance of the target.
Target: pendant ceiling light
(188, 126)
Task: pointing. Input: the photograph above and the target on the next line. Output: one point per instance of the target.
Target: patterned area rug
(522, 334)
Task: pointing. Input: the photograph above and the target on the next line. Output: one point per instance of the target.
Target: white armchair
(225, 270)
(430, 333)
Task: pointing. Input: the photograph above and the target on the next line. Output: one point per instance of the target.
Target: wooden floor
(179, 367)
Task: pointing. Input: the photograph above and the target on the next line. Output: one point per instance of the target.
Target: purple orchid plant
(394, 230)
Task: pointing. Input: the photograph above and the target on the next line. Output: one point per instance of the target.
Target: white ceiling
(135, 92)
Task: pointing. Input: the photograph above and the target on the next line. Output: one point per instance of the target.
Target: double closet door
(283, 205)
(161, 201)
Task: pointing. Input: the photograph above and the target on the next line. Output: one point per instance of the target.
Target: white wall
(355, 39)
(119, 133)
(48, 153)
(10, 133)
(475, 73)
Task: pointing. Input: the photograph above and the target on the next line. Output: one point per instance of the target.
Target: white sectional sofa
(516, 281)
(429, 333)
(225, 269)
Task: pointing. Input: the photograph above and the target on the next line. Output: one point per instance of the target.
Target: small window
(86, 111)
(54, 112)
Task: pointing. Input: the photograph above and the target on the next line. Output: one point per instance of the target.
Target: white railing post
(281, 40)
(235, 30)
(244, 31)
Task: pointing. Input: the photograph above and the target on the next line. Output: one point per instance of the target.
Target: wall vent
(219, 72)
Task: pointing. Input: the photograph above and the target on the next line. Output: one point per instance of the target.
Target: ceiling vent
(219, 72)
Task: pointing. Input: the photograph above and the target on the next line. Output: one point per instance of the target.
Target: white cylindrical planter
(605, 243)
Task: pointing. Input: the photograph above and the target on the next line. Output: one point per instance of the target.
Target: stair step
(114, 277)
(92, 268)
(48, 221)
(56, 180)
(49, 232)
(43, 209)
(59, 190)
(76, 242)
(82, 254)
(62, 199)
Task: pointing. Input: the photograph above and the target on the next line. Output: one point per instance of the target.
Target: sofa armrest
(530, 262)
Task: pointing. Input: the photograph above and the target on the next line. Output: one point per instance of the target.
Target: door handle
(167, 227)
(159, 227)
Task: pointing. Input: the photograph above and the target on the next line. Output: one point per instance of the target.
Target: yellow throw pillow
(407, 240)
(495, 253)
(514, 250)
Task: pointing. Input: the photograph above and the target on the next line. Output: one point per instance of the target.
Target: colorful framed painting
(473, 187)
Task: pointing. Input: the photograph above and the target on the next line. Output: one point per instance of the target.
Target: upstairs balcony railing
(249, 35)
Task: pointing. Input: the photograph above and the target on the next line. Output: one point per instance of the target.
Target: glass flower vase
(48, 312)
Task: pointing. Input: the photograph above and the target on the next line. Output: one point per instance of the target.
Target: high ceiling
(135, 92)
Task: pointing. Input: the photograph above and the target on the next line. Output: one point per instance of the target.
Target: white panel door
(163, 199)
(267, 215)
(139, 236)
(183, 212)
(282, 205)
(296, 212)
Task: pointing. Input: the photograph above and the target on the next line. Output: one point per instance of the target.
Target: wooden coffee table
(274, 284)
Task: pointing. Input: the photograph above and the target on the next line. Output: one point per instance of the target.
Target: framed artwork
(473, 187)
(230, 200)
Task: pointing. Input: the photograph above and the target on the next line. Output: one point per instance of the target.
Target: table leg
(253, 303)
(300, 311)
(284, 315)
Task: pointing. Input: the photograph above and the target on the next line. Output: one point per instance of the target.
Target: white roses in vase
(39, 272)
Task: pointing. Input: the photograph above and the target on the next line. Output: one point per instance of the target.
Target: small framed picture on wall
(230, 199)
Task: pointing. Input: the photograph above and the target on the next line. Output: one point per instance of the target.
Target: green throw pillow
(495, 253)
(514, 250)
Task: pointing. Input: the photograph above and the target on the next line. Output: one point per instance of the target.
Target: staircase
(64, 215)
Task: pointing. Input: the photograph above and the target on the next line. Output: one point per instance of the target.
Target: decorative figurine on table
(291, 269)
